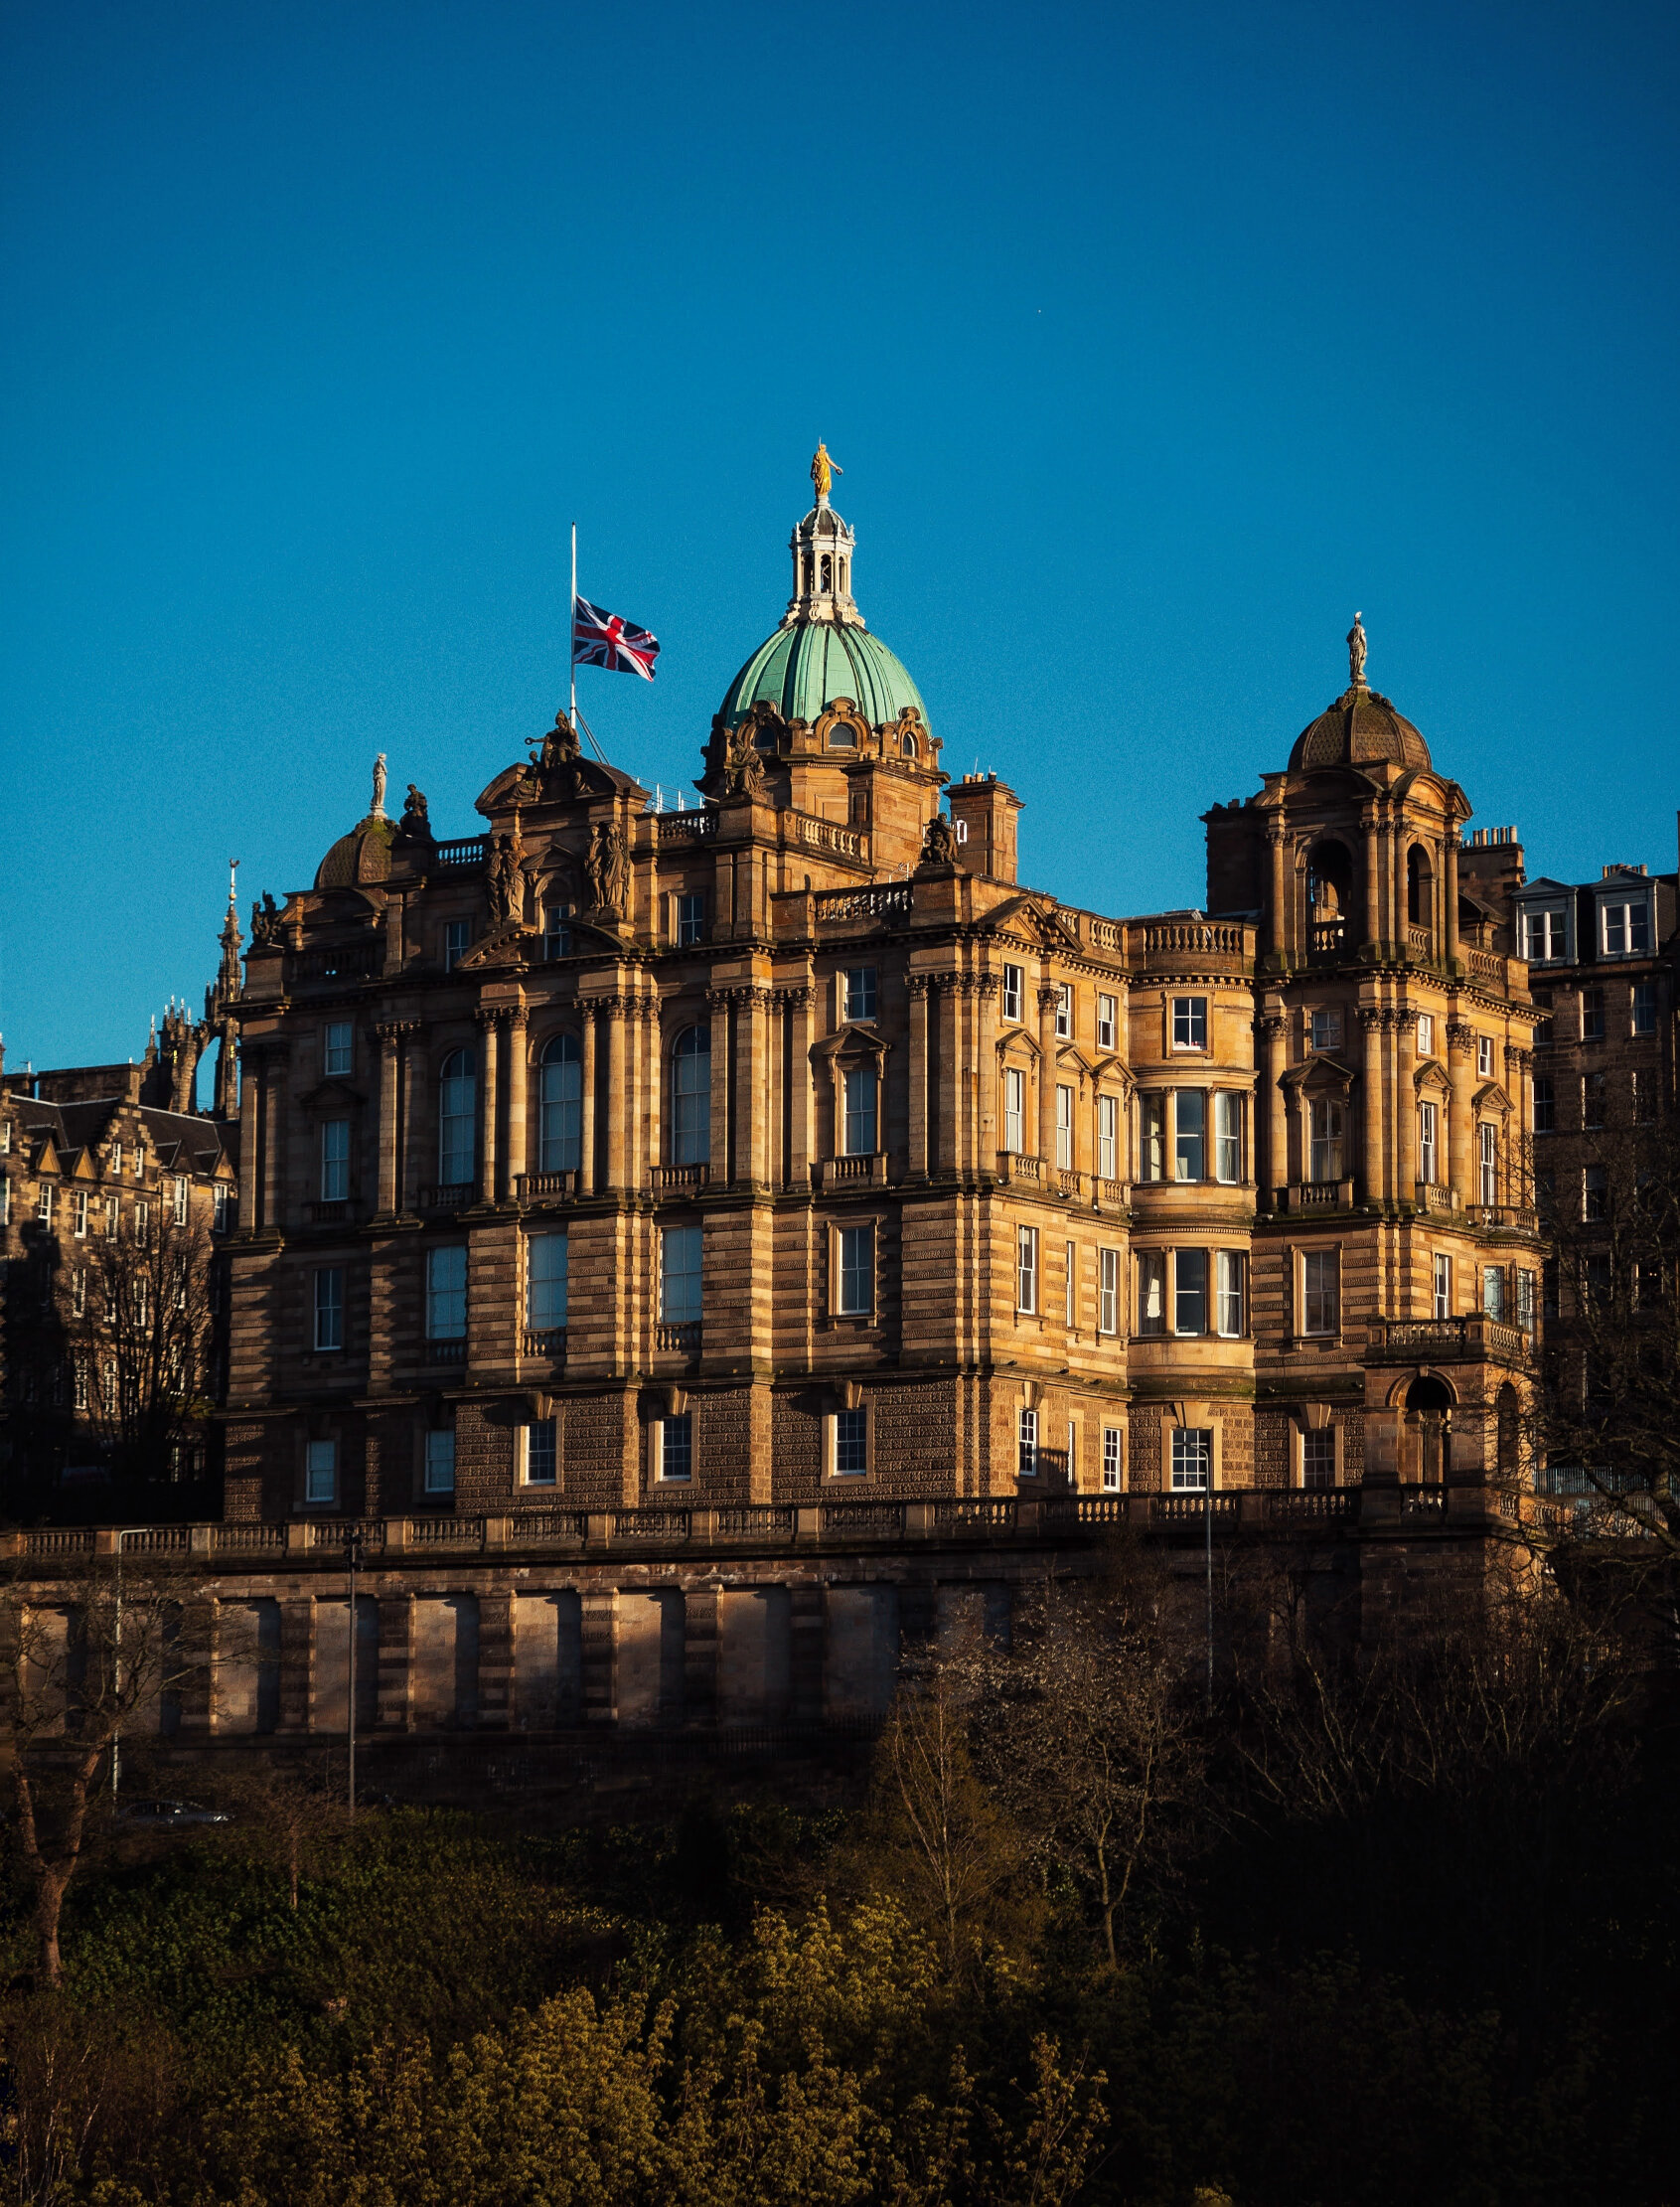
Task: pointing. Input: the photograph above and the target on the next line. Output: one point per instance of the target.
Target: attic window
(842, 736)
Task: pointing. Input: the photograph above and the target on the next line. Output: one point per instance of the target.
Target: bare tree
(1085, 1733)
(285, 1817)
(1604, 1425)
(145, 1342)
(82, 1659)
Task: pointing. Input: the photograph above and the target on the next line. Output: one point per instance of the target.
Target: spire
(822, 546)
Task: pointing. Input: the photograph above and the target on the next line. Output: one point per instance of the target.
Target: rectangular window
(1487, 1151)
(677, 1447)
(1592, 1015)
(1593, 1100)
(1440, 1291)
(1644, 1099)
(851, 1443)
(219, 1208)
(1014, 991)
(181, 1188)
(1429, 1152)
(860, 1097)
(1113, 1459)
(335, 1160)
(142, 1220)
(79, 1291)
(1324, 1139)
(1108, 1142)
(1193, 1458)
(680, 1275)
(440, 1460)
(1064, 1130)
(1108, 1291)
(116, 1156)
(1228, 1136)
(1151, 1291)
(691, 920)
(557, 932)
(113, 1216)
(1326, 1031)
(5, 1203)
(1014, 1108)
(1064, 1011)
(858, 986)
(857, 1271)
(542, 1452)
(547, 1267)
(78, 1382)
(1070, 1286)
(4, 1137)
(1543, 936)
(1026, 1268)
(457, 940)
(1229, 1268)
(1545, 1104)
(44, 1203)
(1189, 1022)
(1189, 1134)
(446, 1293)
(1027, 1445)
(321, 1474)
(1106, 1009)
(1189, 1296)
(1594, 1193)
(80, 1214)
(1626, 929)
(336, 1050)
(1645, 1008)
(1319, 1458)
(1321, 1292)
(1151, 1137)
(1525, 1301)
(1485, 1057)
(1426, 1033)
(1493, 1289)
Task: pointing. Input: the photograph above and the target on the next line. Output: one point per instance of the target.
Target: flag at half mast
(601, 639)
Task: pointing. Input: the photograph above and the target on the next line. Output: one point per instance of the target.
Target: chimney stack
(984, 810)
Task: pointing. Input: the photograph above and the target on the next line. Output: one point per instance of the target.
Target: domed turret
(1361, 728)
(823, 649)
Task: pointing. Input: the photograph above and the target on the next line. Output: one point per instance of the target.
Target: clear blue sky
(1153, 340)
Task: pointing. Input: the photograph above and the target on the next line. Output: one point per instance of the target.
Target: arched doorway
(1428, 1430)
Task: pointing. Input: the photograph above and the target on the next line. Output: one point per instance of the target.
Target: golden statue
(823, 470)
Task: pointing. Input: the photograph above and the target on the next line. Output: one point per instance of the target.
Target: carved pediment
(1321, 1072)
(1431, 1076)
(857, 1040)
(332, 1095)
(1026, 917)
(1490, 1097)
(564, 781)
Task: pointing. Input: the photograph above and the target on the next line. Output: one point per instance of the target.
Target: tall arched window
(827, 573)
(691, 1097)
(559, 1123)
(457, 1114)
(1418, 888)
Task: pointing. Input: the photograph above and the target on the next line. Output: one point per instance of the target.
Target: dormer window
(1625, 930)
(1543, 936)
(842, 736)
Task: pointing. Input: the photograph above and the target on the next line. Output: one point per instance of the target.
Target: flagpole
(572, 627)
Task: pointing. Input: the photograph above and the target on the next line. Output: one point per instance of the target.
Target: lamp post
(351, 1564)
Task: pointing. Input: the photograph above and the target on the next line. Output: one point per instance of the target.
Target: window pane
(861, 1086)
(851, 1443)
(1014, 1108)
(335, 1160)
(677, 1447)
(321, 1474)
(1108, 1123)
(1189, 1121)
(440, 1461)
(456, 1120)
(446, 1294)
(680, 1275)
(1193, 1458)
(1319, 1458)
(1112, 1460)
(1014, 989)
(1230, 1278)
(1064, 1129)
(1152, 1139)
(1026, 1268)
(690, 1098)
(1320, 1284)
(857, 1271)
(329, 1308)
(1189, 1022)
(559, 1123)
(1189, 1311)
(859, 993)
(547, 1266)
(1026, 1461)
(691, 921)
(542, 1452)
(1108, 1291)
(336, 1058)
(1228, 1136)
(1151, 1292)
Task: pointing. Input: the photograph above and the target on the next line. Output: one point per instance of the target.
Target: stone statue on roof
(823, 470)
(1356, 652)
(380, 787)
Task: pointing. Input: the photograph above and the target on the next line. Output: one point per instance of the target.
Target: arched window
(559, 1124)
(691, 1097)
(842, 736)
(1417, 898)
(907, 744)
(827, 573)
(457, 1114)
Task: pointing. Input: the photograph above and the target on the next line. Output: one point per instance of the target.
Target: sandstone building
(793, 1149)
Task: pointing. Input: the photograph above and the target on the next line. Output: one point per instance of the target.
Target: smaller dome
(362, 855)
(1361, 728)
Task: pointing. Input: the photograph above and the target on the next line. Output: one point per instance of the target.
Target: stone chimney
(984, 810)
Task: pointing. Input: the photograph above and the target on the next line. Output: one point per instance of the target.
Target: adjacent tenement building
(792, 1146)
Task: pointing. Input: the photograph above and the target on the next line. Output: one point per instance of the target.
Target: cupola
(1362, 727)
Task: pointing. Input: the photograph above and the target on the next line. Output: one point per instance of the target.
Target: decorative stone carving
(606, 867)
(416, 819)
(1356, 652)
(267, 922)
(506, 880)
(938, 845)
(744, 769)
(378, 804)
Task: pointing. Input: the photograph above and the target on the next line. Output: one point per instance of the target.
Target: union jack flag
(608, 640)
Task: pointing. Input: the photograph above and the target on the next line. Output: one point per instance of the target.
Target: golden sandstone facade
(791, 1148)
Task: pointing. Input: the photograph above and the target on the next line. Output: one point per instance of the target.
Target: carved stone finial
(379, 805)
(1356, 652)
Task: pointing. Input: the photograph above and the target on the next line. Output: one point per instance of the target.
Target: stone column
(1405, 1103)
(1046, 1079)
(802, 1100)
(654, 1058)
(717, 1003)
(750, 1129)
(1276, 1121)
(918, 1106)
(618, 1097)
(586, 1144)
(407, 1166)
(391, 1043)
(1274, 836)
(985, 1110)
(519, 1131)
(490, 1023)
(1450, 918)
(275, 1064)
(1460, 1042)
(944, 1142)
(1373, 909)
(1371, 1102)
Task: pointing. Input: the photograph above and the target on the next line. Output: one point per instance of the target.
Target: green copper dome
(807, 665)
